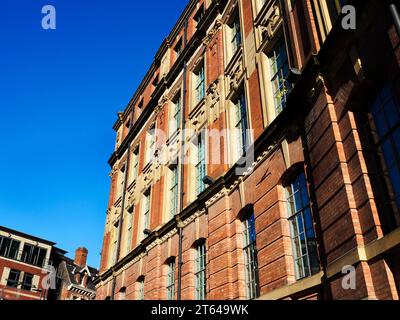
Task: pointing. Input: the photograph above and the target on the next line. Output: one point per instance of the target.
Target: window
(386, 118)
(141, 103)
(279, 68)
(34, 255)
(122, 294)
(173, 209)
(121, 180)
(178, 48)
(250, 257)
(13, 278)
(199, 14)
(115, 244)
(155, 81)
(176, 115)
(151, 144)
(200, 166)
(236, 38)
(302, 228)
(171, 280)
(141, 289)
(199, 83)
(129, 230)
(146, 210)
(135, 164)
(200, 272)
(241, 124)
(127, 124)
(27, 281)
(9, 248)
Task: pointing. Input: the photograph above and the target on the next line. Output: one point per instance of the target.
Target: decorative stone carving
(131, 199)
(164, 99)
(270, 25)
(210, 35)
(235, 75)
(114, 170)
(213, 97)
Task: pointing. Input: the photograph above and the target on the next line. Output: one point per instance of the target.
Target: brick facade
(325, 131)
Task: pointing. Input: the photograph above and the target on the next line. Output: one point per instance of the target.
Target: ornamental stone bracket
(198, 116)
(213, 100)
(148, 176)
(131, 199)
(270, 22)
(213, 31)
(160, 106)
(235, 76)
(114, 170)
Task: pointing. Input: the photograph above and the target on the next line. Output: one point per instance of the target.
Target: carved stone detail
(270, 24)
(235, 75)
(213, 99)
(214, 30)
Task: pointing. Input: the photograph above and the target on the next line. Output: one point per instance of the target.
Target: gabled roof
(72, 269)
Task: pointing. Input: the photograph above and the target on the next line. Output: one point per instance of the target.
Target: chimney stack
(81, 256)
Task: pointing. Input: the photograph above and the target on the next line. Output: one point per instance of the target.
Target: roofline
(25, 235)
(156, 61)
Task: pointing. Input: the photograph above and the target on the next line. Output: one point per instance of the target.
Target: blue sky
(59, 94)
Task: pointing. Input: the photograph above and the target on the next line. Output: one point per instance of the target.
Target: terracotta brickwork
(319, 126)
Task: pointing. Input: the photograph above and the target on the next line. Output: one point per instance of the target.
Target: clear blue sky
(59, 94)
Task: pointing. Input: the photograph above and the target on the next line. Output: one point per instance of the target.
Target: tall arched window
(200, 270)
(171, 279)
(250, 255)
(385, 113)
(140, 288)
(122, 294)
(304, 242)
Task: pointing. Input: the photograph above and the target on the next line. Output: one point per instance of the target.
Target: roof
(27, 236)
(71, 269)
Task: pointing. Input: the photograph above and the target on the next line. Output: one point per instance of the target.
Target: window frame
(13, 283)
(241, 122)
(301, 223)
(235, 28)
(13, 245)
(200, 167)
(27, 285)
(250, 256)
(200, 271)
(33, 259)
(277, 70)
(176, 110)
(385, 126)
(199, 83)
(174, 191)
(141, 291)
(171, 279)
(146, 209)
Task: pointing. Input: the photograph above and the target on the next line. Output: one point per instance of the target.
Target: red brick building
(76, 278)
(32, 268)
(25, 263)
(308, 110)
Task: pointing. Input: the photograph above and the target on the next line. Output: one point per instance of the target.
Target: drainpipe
(396, 17)
(182, 192)
(121, 219)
